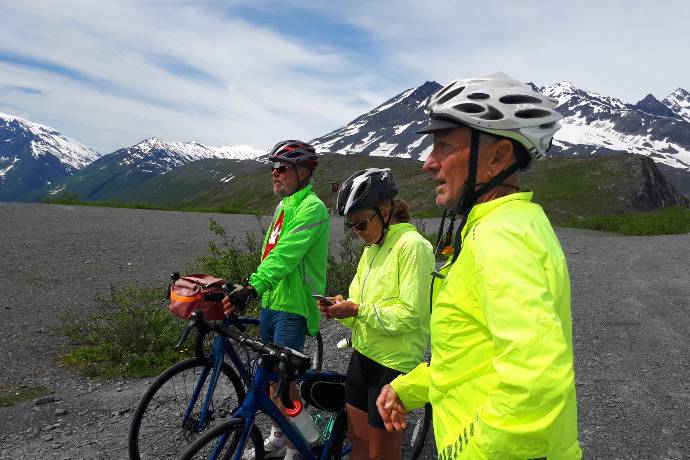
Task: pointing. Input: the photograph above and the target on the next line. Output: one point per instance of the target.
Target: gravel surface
(630, 317)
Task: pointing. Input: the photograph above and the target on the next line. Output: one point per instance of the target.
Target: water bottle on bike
(303, 421)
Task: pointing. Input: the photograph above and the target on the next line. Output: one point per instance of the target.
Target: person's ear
(501, 157)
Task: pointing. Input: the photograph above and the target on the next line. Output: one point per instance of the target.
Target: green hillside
(180, 184)
(566, 188)
(253, 191)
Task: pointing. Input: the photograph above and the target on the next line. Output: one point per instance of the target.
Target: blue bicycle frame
(221, 347)
(258, 399)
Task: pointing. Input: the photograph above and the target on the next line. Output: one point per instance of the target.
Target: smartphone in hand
(322, 300)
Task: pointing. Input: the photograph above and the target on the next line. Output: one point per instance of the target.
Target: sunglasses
(279, 167)
(359, 226)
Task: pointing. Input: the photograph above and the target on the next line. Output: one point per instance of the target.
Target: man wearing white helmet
(501, 379)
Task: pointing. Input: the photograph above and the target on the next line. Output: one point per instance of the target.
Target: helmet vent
(547, 125)
(532, 113)
(519, 99)
(450, 95)
(468, 107)
(492, 114)
(440, 93)
(477, 96)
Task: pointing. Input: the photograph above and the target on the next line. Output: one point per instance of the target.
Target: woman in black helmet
(387, 307)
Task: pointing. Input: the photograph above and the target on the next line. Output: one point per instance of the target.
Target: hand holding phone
(322, 300)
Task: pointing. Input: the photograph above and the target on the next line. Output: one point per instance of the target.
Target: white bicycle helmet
(499, 105)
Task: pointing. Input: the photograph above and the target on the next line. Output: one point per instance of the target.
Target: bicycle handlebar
(289, 360)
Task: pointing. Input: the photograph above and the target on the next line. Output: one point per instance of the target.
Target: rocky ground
(630, 320)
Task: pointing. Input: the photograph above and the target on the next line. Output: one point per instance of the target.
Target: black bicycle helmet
(366, 189)
(296, 153)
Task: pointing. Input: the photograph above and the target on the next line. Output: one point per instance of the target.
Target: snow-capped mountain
(112, 174)
(679, 102)
(592, 124)
(157, 156)
(33, 155)
(654, 106)
(389, 130)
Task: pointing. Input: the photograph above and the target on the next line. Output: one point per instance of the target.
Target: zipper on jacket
(364, 282)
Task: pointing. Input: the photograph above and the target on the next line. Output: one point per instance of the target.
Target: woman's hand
(391, 409)
(341, 308)
(323, 308)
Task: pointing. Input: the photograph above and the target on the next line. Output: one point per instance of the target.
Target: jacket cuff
(258, 286)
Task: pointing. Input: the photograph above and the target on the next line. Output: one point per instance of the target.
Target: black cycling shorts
(365, 378)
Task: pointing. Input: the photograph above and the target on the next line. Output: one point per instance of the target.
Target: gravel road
(630, 318)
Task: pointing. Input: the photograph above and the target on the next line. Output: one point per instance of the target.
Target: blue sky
(110, 74)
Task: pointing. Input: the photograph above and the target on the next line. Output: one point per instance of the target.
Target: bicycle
(188, 396)
(233, 438)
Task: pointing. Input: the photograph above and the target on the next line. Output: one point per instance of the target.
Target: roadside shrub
(62, 198)
(132, 335)
(232, 260)
(664, 221)
(13, 394)
(342, 269)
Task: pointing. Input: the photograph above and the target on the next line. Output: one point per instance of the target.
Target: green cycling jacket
(392, 289)
(296, 267)
(501, 379)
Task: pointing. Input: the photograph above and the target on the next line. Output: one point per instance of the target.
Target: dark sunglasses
(359, 226)
(279, 167)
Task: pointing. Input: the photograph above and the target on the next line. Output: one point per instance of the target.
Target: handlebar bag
(197, 292)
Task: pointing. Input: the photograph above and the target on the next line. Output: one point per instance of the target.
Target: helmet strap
(386, 224)
(303, 182)
(468, 200)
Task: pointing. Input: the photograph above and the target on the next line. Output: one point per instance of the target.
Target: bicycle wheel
(415, 435)
(221, 442)
(158, 429)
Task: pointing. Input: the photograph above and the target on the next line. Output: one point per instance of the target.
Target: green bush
(12, 394)
(231, 260)
(664, 221)
(133, 335)
(62, 198)
(342, 269)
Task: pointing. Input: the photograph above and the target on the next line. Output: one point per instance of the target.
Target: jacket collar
(482, 209)
(395, 230)
(297, 197)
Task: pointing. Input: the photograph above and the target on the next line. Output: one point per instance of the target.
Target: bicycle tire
(204, 445)
(156, 430)
(414, 439)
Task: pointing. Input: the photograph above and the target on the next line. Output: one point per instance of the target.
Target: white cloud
(248, 84)
(195, 70)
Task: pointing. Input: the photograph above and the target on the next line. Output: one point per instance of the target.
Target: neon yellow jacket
(501, 379)
(392, 289)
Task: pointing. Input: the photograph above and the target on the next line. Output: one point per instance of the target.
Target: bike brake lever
(284, 383)
(194, 319)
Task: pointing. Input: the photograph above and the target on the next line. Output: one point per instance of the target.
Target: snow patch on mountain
(679, 102)
(44, 140)
(164, 156)
(606, 124)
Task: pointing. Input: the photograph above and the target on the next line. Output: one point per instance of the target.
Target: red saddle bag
(197, 292)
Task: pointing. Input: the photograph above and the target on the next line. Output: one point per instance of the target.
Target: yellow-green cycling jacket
(392, 289)
(501, 379)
